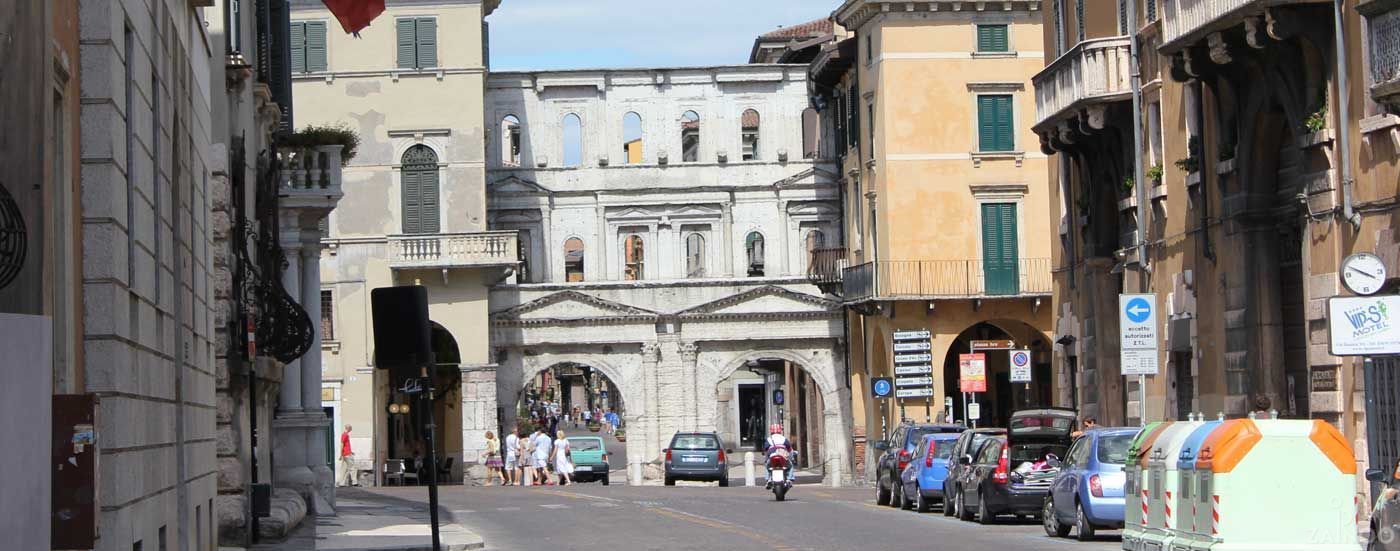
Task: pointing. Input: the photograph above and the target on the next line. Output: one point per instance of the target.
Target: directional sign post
(913, 367)
(1137, 326)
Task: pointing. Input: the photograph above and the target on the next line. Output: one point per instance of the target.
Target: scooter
(779, 482)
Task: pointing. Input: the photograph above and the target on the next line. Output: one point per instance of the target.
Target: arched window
(753, 246)
(510, 140)
(695, 255)
(690, 137)
(811, 133)
(419, 179)
(631, 138)
(633, 256)
(749, 134)
(573, 259)
(573, 140)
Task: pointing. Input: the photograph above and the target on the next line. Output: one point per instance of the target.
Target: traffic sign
(992, 345)
(912, 335)
(881, 387)
(913, 369)
(778, 396)
(974, 411)
(917, 346)
(972, 372)
(1137, 325)
(1020, 366)
(914, 393)
(913, 381)
(913, 358)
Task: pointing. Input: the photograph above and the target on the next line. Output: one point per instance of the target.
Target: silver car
(696, 456)
(1385, 518)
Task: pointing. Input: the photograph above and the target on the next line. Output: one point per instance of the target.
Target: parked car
(1087, 494)
(922, 481)
(1002, 479)
(1385, 517)
(590, 458)
(896, 453)
(696, 456)
(967, 445)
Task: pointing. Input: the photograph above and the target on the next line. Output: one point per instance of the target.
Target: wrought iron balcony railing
(1383, 42)
(1094, 71)
(824, 266)
(454, 250)
(935, 279)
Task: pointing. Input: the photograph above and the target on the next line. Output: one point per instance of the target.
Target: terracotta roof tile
(814, 28)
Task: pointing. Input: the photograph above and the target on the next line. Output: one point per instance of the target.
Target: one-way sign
(1137, 325)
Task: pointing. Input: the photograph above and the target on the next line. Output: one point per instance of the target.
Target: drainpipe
(1343, 116)
(1139, 186)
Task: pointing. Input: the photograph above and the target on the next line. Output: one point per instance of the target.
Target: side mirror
(882, 445)
(965, 460)
(1375, 475)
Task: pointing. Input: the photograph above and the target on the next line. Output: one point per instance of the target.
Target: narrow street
(588, 516)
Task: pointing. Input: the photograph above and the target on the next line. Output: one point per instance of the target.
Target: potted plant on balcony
(319, 135)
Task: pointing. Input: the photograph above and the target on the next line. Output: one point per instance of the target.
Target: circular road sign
(882, 387)
(1138, 310)
(1020, 358)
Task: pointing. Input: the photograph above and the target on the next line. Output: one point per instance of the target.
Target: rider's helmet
(775, 428)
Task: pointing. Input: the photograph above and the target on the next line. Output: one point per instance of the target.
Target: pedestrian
(563, 460)
(347, 459)
(544, 447)
(527, 459)
(1263, 408)
(512, 456)
(587, 417)
(1087, 424)
(553, 425)
(494, 465)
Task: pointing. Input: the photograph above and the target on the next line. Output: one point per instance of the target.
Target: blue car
(1087, 494)
(921, 482)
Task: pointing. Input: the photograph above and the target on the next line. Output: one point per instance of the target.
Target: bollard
(635, 474)
(748, 468)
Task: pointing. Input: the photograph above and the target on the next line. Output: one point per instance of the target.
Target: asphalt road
(591, 516)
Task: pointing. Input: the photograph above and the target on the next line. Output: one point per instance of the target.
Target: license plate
(693, 459)
(778, 476)
(584, 469)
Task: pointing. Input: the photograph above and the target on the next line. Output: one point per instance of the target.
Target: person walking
(494, 465)
(510, 467)
(544, 448)
(527, 460)
(563, 460)
(347, 459)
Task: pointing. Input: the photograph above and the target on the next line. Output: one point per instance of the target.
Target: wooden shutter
(412, 207)
(427, 43)
(315, 46)
(994, 123)
(992, 38)
(428, 199)
(407, 41)
(1005, 140)
(298, 46)
(999, 249)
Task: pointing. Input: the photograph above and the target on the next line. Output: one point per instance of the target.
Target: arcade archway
(1001, 397)
(406, 422)
(762, 389)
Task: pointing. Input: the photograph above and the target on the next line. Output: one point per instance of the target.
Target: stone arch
(1004, 396)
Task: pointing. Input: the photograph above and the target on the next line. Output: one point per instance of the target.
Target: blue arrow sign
(882, 387)
(1138, 310)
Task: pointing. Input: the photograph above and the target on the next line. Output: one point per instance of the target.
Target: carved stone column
(689, 352)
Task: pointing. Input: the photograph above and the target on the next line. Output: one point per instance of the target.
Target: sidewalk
(370, 522)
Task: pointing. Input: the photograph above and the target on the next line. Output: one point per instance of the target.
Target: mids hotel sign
(1364, 326)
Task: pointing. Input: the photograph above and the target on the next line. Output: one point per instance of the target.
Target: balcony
(1094, 72)
(946, 279)
(310, 176)
(1185, 22)
(454, 250)
(1383, 42)
(824, 268)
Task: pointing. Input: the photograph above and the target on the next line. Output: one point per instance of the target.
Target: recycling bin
(1134, 492)
(1162, 484)
(1187, 504)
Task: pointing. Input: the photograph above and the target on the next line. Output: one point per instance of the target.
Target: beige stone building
(414, 211)
(1269, 150)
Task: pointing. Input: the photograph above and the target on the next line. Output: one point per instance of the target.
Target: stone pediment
(571, 305)
(516, 186)
(808, 176)
(768, 300)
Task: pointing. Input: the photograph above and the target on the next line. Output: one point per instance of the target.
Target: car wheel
(724, 482)
(897, 496)
(963, 513)
(947, 502)
(1084, 530)
(984, 516)
(670, 481)
(1053, 527)
(921, 503)
(882, 496)
(905, 502)
(606, 476)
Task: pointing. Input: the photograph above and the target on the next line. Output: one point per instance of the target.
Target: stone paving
(370, 522)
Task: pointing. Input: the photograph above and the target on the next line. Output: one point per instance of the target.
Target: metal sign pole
(1142, 400)
(426, 401)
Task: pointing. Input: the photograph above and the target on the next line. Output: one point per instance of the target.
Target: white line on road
(555, 506)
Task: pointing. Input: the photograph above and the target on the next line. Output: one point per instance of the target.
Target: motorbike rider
(776, 444)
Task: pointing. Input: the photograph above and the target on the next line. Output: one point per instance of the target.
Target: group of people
(530, 460)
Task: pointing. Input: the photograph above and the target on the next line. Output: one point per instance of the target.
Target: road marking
(603, 504)
(507, 508)
(575, 495)
(555, 506)
(724, 526)
(462, 512)
(648, 503)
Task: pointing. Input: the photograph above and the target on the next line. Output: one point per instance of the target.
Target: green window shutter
(999, 249)
(315, 46)
(412, 206)
(992, 38)
(427, 43)
(407, 54)
(994, 123)
(428, 199)
(1005, 140)
(298, 42)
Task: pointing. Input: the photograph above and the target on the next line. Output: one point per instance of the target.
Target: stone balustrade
(454, 250)
(310, 169)
(1186, 21)
(1094, 71)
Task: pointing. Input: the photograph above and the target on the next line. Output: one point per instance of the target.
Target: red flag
(355, 15)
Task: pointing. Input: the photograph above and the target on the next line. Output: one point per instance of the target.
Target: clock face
(1363, 273)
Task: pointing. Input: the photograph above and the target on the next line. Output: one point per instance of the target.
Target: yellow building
(414, 212)
(946, 202)
(1264, 167)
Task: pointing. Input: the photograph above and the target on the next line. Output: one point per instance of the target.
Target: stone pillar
(727, 248)
(647, 420)
(783, 238)
(599, 250)
(479, 415)
(690, 418)
(310, 299)
(289, 401)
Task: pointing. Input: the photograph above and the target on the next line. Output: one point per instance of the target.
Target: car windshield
(943, 449)
(695, 442)
(1113, 448)
(585, 445)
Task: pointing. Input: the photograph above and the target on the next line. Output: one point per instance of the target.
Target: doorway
(753, 415)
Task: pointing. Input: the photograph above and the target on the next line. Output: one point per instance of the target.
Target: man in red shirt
(347, 459)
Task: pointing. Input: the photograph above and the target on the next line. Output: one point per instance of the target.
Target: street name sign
(912, 358)
(972, 372)
(914, 393)
(1020, 366)
(992, 345)
(912, 335)
(881, 387)
(1137, 329)
(1364, 326)
(920, 346)
(913, 381)
(913, 363)
(913, 369)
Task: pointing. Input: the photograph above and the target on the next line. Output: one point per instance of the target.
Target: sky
(579, 34)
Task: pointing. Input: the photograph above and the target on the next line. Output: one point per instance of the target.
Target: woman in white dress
(563, 463)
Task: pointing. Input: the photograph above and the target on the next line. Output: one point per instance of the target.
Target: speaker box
(402, 336)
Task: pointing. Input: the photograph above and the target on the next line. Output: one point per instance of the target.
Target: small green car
(590, 458)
